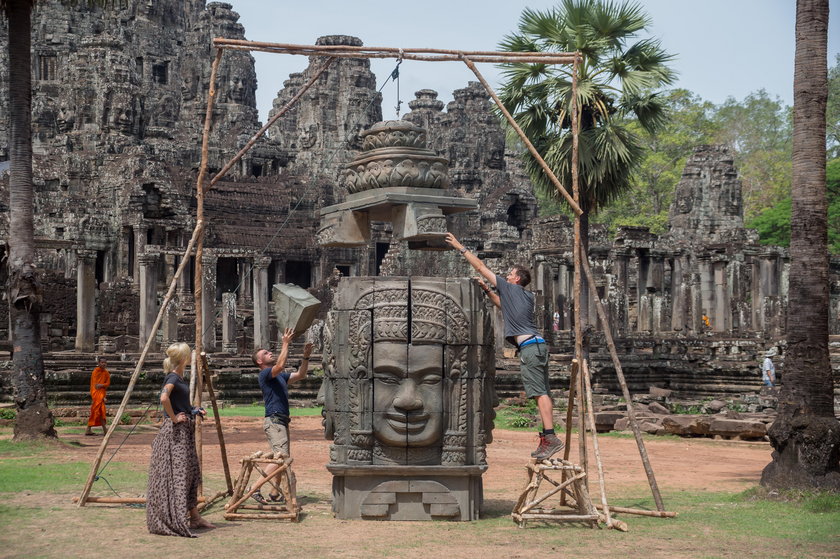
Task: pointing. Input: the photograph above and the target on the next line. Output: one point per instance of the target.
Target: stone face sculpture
(409, 395)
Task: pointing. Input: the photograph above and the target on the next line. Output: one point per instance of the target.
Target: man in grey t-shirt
(517, 306)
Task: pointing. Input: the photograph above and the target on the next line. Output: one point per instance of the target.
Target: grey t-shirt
(517, 309)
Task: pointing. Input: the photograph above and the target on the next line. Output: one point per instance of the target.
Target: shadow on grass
(497, 508)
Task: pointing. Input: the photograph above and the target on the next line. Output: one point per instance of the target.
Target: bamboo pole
(268, 124)
(570, 408)
(595, 448)
(640, 512)
(573, 202)
(199, 227)
(350, 51)
(209, 383)
(557, 487)
(631, 414)
(199, 251)
(267, 516)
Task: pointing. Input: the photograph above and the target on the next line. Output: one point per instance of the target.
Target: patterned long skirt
(174, 477)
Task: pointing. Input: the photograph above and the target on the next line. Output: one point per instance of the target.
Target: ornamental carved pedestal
(409, 367)
(397, 179)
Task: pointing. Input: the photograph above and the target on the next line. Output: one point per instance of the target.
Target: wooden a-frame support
(280, 481)
(581, 261)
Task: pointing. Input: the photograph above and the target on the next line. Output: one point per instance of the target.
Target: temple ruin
(118, 104)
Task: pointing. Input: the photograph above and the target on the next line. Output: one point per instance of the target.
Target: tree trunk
(34, 419)
(806, 435)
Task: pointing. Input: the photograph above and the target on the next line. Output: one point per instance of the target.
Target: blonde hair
(177, 353)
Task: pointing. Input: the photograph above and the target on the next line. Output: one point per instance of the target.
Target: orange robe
(97, 407)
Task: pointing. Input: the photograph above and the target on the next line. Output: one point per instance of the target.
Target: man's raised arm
(474, 260)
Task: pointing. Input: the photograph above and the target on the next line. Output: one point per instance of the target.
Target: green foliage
(773, 223)
(125, 419)
(518, 417)
(7, 413)
(832, 110)
(684, 409)
(617, 84)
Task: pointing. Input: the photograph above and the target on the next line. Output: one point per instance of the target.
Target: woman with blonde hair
(174, 474)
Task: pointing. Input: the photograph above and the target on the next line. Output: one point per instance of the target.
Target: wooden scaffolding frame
(580, 378)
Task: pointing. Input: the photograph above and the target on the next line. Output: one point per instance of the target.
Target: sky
(722, 48)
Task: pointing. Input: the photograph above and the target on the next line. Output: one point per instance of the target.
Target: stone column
(183, 290)
(707, 288)
(261, 301)
(139, 249)
(245, 289)
(208, 302)
(229, 323)
(170, 323)
(123, 263)
(85, 300)
(722, 320)
(563, 296)
(643, 298)
(679, 291)
(147, 264)
(619, 293)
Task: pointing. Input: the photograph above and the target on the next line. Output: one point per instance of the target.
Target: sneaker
(539, 449)
(550, 448)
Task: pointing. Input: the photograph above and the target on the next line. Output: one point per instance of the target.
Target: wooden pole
(573, 202)
(569, 415)
(199, 251)
(639, 512)
(271, 121)
(141, 361)
(209, 383)
(631, 414)
(577, 277)
(591, 415)
(425, 54)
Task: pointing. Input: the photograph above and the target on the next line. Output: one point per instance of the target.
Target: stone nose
(407, 397)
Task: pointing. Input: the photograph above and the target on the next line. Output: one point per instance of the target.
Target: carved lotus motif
(393, 133)
(395, 155)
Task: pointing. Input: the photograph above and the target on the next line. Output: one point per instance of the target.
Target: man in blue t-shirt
(517, 305)
(275, 388)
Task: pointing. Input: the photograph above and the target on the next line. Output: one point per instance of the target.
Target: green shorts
(533, 364)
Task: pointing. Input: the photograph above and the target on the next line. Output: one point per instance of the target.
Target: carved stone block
(294, 307)
(407, 385)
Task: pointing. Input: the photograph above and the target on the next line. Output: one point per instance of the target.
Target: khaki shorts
(278, 436)
(533, 364)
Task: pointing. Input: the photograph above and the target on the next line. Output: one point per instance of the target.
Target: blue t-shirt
(517, 309)
(275, 392)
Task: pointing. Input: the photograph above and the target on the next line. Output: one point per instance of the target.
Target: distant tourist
(517, 305)
(556, 321)
(768, 370)
(100, 380)
(174, 471)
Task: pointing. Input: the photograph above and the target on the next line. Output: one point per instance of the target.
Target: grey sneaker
(539, 449)
(549, 447)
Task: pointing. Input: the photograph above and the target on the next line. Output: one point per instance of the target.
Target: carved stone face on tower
(407, 394)
(65, 118)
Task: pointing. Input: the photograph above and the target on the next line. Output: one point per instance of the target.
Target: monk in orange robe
(100, 380)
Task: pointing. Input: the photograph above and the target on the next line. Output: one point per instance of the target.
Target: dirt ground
(679, 464)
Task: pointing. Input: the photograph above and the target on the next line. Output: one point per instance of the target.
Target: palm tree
(617, 81)
(33, 416)
(806, 435)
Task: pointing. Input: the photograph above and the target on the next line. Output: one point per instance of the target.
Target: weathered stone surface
(408, 397)
(656, 407)
(606, 420)
(744, 429)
